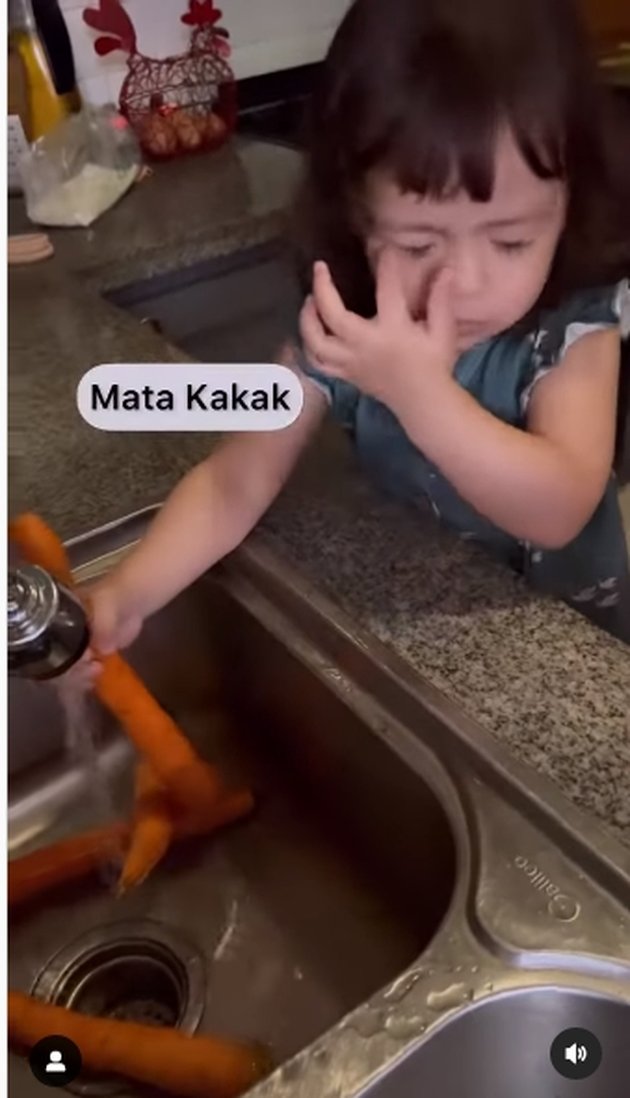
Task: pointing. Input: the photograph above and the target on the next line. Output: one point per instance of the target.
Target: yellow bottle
(45, 107)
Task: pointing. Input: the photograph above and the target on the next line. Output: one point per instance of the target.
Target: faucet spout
(47, 625)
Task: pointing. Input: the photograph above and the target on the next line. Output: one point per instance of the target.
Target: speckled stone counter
(537, 677)
(60, 325)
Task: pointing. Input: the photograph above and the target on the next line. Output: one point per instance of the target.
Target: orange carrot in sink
(152, 828)
(157, 821)
(191, 781)
(189, 1067)
(229, 808)
(62, 862)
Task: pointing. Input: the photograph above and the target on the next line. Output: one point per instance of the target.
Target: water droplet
(368, 1022)
(403, 1029)
(297, 973)
(290, 1071)
(453, 996)
(459, 968)
(403, 985)
(474, 969)
(488, 987)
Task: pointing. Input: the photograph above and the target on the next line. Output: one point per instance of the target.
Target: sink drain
(133, 971)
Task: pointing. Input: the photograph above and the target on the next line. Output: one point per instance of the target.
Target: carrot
(41, 546)
(157, 822)
(190, 1067)
(229, 808)
(62, 862)
(152, 829)
(155, 734)
(146, 842)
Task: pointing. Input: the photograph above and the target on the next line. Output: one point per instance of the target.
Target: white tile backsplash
(266, 35)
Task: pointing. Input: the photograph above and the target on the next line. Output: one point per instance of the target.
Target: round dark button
(55, 1061)
(576, 1053)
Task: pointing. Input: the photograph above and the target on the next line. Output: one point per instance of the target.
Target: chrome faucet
(48, 628)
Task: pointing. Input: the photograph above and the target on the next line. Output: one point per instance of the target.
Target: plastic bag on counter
(75, 172)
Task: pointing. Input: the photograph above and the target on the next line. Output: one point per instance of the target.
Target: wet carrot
(62, 862)
(157, 822)
(230, 807)
(190, 1067)
(145, 843)
(156, 736)
(152, 828)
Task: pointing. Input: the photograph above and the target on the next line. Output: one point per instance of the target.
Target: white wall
(266, 35)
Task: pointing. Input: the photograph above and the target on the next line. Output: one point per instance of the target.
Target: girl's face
(500, 251)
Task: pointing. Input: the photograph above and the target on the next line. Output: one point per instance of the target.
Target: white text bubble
(182, 397)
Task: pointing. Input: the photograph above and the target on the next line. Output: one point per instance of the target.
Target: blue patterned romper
(592, 572)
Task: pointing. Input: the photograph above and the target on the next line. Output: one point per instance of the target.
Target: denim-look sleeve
(558, 329)
(342, 397)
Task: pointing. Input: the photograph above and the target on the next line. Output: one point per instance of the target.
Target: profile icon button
(55, 1061)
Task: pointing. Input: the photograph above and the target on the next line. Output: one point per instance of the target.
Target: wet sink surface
(339, 880)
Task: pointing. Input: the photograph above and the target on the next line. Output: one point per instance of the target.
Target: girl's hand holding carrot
(193, 784)
(115, 622)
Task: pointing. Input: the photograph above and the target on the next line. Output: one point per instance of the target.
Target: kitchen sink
(290, 919)
(404, 913)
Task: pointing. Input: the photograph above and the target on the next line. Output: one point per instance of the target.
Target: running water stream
(81, 736)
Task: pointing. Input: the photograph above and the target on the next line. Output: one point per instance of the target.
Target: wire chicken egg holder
(180, 104)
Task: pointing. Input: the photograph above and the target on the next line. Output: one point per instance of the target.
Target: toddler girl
(468, 236)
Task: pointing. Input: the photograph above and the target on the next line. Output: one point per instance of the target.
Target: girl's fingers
(319, 345)
(390, 293)
(440, 320)
(329, 304)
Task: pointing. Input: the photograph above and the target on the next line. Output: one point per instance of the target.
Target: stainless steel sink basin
(296, 915)
(407, 912)
(502, 1047)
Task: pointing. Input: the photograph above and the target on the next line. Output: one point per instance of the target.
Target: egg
(189, 130)
(158, 136)
(214, 128)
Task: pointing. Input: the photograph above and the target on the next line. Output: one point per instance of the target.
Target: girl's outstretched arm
(207, 515)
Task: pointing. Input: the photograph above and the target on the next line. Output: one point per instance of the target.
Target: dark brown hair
(420, 87)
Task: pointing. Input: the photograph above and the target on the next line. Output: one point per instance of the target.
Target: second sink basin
(509, 1036)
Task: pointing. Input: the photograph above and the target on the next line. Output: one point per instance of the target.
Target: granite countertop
(538, 678)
